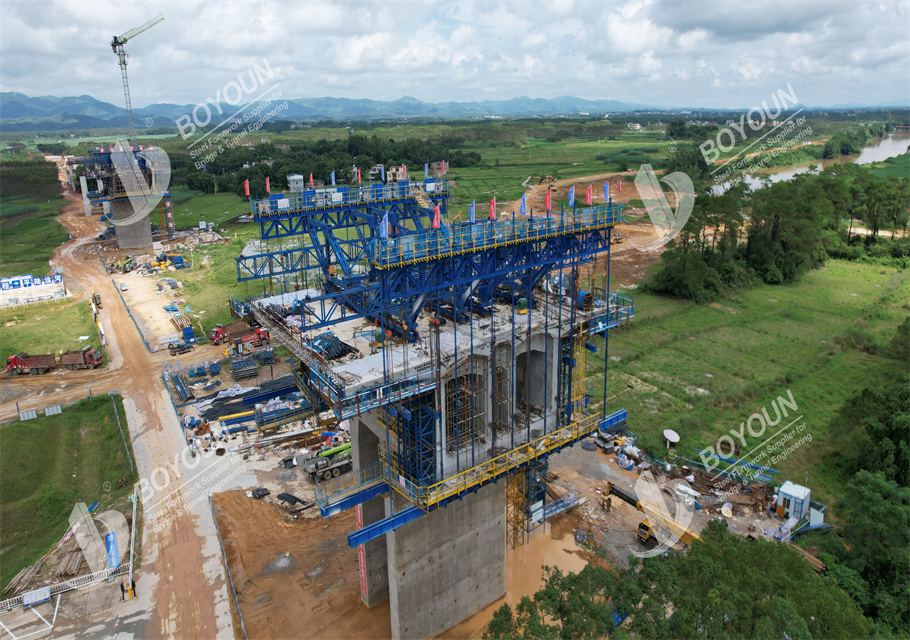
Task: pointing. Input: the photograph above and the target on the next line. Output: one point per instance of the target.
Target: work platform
(342, 493)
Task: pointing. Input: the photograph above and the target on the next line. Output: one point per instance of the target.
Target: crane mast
(117, 46)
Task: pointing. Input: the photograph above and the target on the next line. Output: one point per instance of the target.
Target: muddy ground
(295, 578)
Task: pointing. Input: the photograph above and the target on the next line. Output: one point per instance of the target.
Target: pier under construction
(468, 373)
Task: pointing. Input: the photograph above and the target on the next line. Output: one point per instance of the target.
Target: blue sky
(701, 54)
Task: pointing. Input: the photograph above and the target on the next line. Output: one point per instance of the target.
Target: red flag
(404, 168)
(312, 185)
(267, 189)
(358, 175)
(436, 216)
(493, 208)
(246, 186)
(619, 188)
(589, 194)
(548, 199)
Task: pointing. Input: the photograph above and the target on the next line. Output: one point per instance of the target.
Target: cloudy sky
(702, 54)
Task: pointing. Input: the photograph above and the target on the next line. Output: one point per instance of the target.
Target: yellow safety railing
(387, 420)
(427, 497)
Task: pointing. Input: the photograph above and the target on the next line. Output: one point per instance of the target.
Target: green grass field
(213, 279)
(27, 241)
(898, 167)
(47, 328)
(702, 370)
(213, 207)
(49, 464)
(510, 166)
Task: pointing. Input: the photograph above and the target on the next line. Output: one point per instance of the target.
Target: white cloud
(644, 51)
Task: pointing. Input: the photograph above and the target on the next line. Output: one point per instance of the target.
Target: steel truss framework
(380, 257)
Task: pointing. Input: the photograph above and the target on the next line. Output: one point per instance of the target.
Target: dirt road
(187, 587)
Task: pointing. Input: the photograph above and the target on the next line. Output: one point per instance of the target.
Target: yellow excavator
(616, 238)
(645, 530)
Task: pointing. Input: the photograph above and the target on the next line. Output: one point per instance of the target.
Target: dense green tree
(876, 527)
(725, 586)
(676, 129)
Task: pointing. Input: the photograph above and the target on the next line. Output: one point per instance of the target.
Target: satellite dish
(671, 436)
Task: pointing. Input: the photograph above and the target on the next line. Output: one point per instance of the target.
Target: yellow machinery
(645, 530)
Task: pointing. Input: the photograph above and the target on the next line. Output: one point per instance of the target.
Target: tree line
(775, 234)
(232, 167)
(32, 177)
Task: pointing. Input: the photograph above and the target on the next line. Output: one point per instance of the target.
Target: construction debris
(22, 579)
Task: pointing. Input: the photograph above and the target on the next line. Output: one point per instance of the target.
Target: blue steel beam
(353, 500)
(382, 527)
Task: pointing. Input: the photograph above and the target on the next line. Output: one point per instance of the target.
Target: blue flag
(471, 211)
(426, 170)
(523, 210)
(572, 196)
(333, 178)
(384, 226)
(606, 191)
(382, 169)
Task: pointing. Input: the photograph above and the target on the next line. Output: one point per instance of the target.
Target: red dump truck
(238, 331)
(85, 358)
(24, 363)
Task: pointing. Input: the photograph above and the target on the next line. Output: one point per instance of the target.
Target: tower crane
(117, 46)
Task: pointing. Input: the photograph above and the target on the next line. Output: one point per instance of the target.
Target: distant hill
(19, 112)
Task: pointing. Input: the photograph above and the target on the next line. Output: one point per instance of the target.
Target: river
(876, 150)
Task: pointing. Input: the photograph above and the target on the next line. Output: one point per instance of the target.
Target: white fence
(75, 583)
(31, 296)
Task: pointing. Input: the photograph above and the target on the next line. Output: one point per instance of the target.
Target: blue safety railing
(314, 200)
(430, 244)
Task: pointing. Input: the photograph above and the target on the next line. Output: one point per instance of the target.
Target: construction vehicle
(535, 179)
(33, 364)
(180, 347)
(85, 358)
(645, 530)
(550, 179)
(238, 330)
(96, 298)
(330, 463)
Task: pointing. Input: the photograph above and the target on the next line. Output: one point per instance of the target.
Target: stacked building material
(70, 564)
(266, 356)
(20, 583)
(243, 368)
(182, 386)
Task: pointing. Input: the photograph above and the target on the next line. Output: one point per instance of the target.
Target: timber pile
(70, 564)
(814, 562)
(19, 583)
(180, 322)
